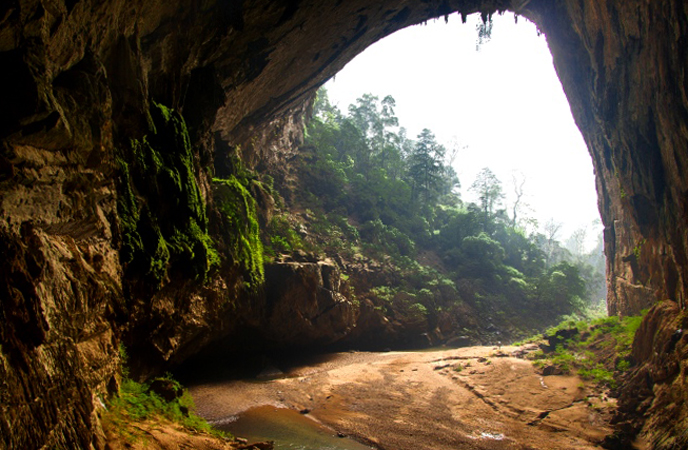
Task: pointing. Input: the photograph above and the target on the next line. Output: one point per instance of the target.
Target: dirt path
(470, 398)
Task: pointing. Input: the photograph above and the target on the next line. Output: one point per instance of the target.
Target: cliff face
(93, 255)
(623, 67)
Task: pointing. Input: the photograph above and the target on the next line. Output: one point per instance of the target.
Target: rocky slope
(113, 231)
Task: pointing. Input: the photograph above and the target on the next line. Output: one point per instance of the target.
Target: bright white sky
(504, 103)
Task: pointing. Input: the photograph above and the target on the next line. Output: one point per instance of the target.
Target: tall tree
(377, 123)
(519, 181)
(323, 110)
(489, 190)
(576, 243)
(552, 229)
(426, 166)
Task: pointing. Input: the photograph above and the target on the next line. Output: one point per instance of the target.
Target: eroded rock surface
(80, 79)
(471, 398)
(305, 305)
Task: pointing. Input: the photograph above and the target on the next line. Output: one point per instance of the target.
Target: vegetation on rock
(164, 226)
(598, 350)
(370, 193)
(161, 398)
(238, 209)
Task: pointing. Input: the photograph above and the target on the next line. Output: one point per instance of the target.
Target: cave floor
(467, 398)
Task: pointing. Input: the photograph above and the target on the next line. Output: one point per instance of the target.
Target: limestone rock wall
(306, 307)
(622, 65)
(80, 77)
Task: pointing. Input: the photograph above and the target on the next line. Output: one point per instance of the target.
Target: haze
(502, 105)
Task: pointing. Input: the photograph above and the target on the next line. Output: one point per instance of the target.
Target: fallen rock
(166, 389)
(551, 370)
(266, 445)
(459, 341)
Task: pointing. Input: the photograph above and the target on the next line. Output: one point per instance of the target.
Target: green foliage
(417, 311)
(362, 177)
(483, 255)
(489, 191)
(621, 332)
(161, 210)
(638, 248)
(282, 237)
(388, 239)
(623, 365)
(567, 324)
(426, 168)
(385, 293)
(598, 374)
(563, 358)
(135, 402)
(238, 208)
(562, 288)
(597, 349)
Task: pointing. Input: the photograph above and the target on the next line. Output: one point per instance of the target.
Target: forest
(370, 196)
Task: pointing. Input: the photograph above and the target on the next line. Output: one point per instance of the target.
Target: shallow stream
(287, 428)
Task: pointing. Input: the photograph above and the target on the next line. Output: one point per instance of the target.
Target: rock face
(622, 65)
(305, 305)
(80, 79)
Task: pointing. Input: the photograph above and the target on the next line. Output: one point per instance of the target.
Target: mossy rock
(164, 226)
(238, 209)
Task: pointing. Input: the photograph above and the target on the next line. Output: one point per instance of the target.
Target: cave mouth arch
(611, 95)
(90, 70)
(304, 207)
(499, 106)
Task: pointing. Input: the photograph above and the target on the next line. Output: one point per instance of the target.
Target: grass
(136, 402)
(598, 350)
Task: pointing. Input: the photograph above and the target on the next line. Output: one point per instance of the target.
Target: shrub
(136, 402)
(591, 357)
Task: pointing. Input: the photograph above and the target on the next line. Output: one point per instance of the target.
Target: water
(287, 428)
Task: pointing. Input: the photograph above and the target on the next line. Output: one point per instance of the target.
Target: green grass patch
(136, 402)
(597, 350)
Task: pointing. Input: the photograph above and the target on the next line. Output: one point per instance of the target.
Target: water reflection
(287, 428)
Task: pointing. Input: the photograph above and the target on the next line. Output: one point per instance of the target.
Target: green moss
(129, 216)
(605, 349)
(136, 402)
(282, 237)
(238, 208)
(163, 219)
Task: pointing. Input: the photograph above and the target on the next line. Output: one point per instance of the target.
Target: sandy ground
(470, 398)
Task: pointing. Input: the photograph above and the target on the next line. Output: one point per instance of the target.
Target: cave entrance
(492, 101)
(496, 103)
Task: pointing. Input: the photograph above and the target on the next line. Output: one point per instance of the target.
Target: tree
(576, 243)
(362, 176)
(426, 167)
(489, 190)
(519, 182)
(562, 289)
(323, 110)
(375, 120)
(551, 244)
